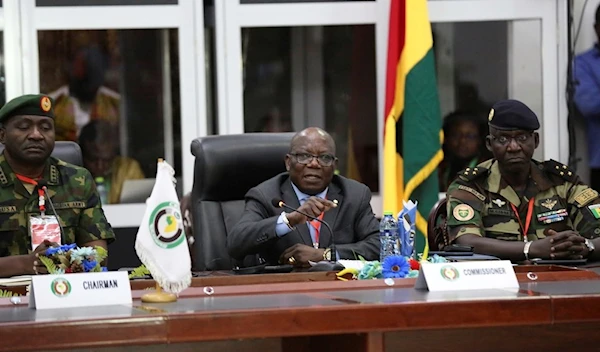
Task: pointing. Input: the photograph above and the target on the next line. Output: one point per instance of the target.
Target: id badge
(43, 228)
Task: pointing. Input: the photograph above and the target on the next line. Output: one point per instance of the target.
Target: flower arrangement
(69, 258)
(394, 266)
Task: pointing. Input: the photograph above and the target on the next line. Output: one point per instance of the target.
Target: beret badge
(45, 104)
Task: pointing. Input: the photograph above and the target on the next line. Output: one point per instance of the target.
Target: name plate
(466, 276)
(80, 290)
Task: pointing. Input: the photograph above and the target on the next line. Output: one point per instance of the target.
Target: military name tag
(8, 209)
(501, 212)
(70, 205)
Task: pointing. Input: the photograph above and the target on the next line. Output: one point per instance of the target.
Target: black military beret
(510, 115)
(30, 104)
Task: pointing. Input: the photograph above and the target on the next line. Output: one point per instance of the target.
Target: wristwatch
(286, 221)
(327, 254)
(590, 245)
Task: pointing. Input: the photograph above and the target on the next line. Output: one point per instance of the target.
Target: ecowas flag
(161, 242)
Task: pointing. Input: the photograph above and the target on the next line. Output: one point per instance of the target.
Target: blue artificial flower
(51, 251)
(395, 266)
(89, 265)
(67, 247)
(371, 270)
(104, 268)
(82, 253)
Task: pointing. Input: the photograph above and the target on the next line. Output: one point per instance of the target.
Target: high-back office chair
(226, 168)
(437, 231)
(66, 151)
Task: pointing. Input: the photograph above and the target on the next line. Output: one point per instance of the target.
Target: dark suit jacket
(355, 227)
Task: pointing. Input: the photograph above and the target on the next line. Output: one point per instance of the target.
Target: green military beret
(510, 115)
(30, 104)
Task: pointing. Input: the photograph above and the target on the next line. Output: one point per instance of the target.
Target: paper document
(21, 280)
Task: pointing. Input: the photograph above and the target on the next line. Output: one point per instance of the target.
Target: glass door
(125, 69)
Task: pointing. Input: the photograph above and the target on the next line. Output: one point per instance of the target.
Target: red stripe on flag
(396, 39)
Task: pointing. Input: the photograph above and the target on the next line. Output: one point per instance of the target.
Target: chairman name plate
(80, 290)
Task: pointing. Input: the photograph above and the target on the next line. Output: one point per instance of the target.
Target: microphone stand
(42, 184)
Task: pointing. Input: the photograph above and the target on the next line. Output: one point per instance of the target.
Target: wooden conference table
(556, 309)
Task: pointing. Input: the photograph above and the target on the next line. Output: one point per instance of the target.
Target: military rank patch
(550, 217)
(463, 212)
(584, 197)
(595, 210)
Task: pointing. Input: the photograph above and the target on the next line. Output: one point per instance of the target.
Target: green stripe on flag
(422, 123)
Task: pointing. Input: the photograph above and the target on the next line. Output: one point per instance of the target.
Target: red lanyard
(41, 201)
(527, 219)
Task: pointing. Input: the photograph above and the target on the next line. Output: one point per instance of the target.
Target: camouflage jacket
(479, 203)
(73, 193)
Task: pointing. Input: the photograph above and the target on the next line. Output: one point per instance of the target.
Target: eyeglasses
(305, 158)
(505, 140)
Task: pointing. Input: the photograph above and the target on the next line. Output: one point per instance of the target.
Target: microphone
(332, 265)
(43, 184)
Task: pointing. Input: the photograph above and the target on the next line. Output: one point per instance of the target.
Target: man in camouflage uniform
(27, 132)
(516, 208)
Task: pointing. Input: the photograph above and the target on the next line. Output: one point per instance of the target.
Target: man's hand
(32, 260)
(559, 245)
(578, 249)
(313, 206)
(302, 254)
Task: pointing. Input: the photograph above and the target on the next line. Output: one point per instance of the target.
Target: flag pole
(159, 296)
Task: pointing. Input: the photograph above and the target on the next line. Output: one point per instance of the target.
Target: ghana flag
(412, 135)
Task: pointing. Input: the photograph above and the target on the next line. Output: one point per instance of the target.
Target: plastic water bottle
(102, 191)
(388, 236)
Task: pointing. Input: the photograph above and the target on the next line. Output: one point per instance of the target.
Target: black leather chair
(65, 151)
(226, 168)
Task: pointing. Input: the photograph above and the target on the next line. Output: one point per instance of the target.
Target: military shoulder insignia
(562, 170)
(463, 212)
(549, 203)
(45, 104)
(585, 197)
(470, 174)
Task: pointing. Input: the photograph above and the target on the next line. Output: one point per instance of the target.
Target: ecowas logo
(449, 272)
(166, 225)
(60, 287)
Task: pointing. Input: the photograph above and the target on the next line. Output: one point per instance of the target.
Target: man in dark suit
(311, 186)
